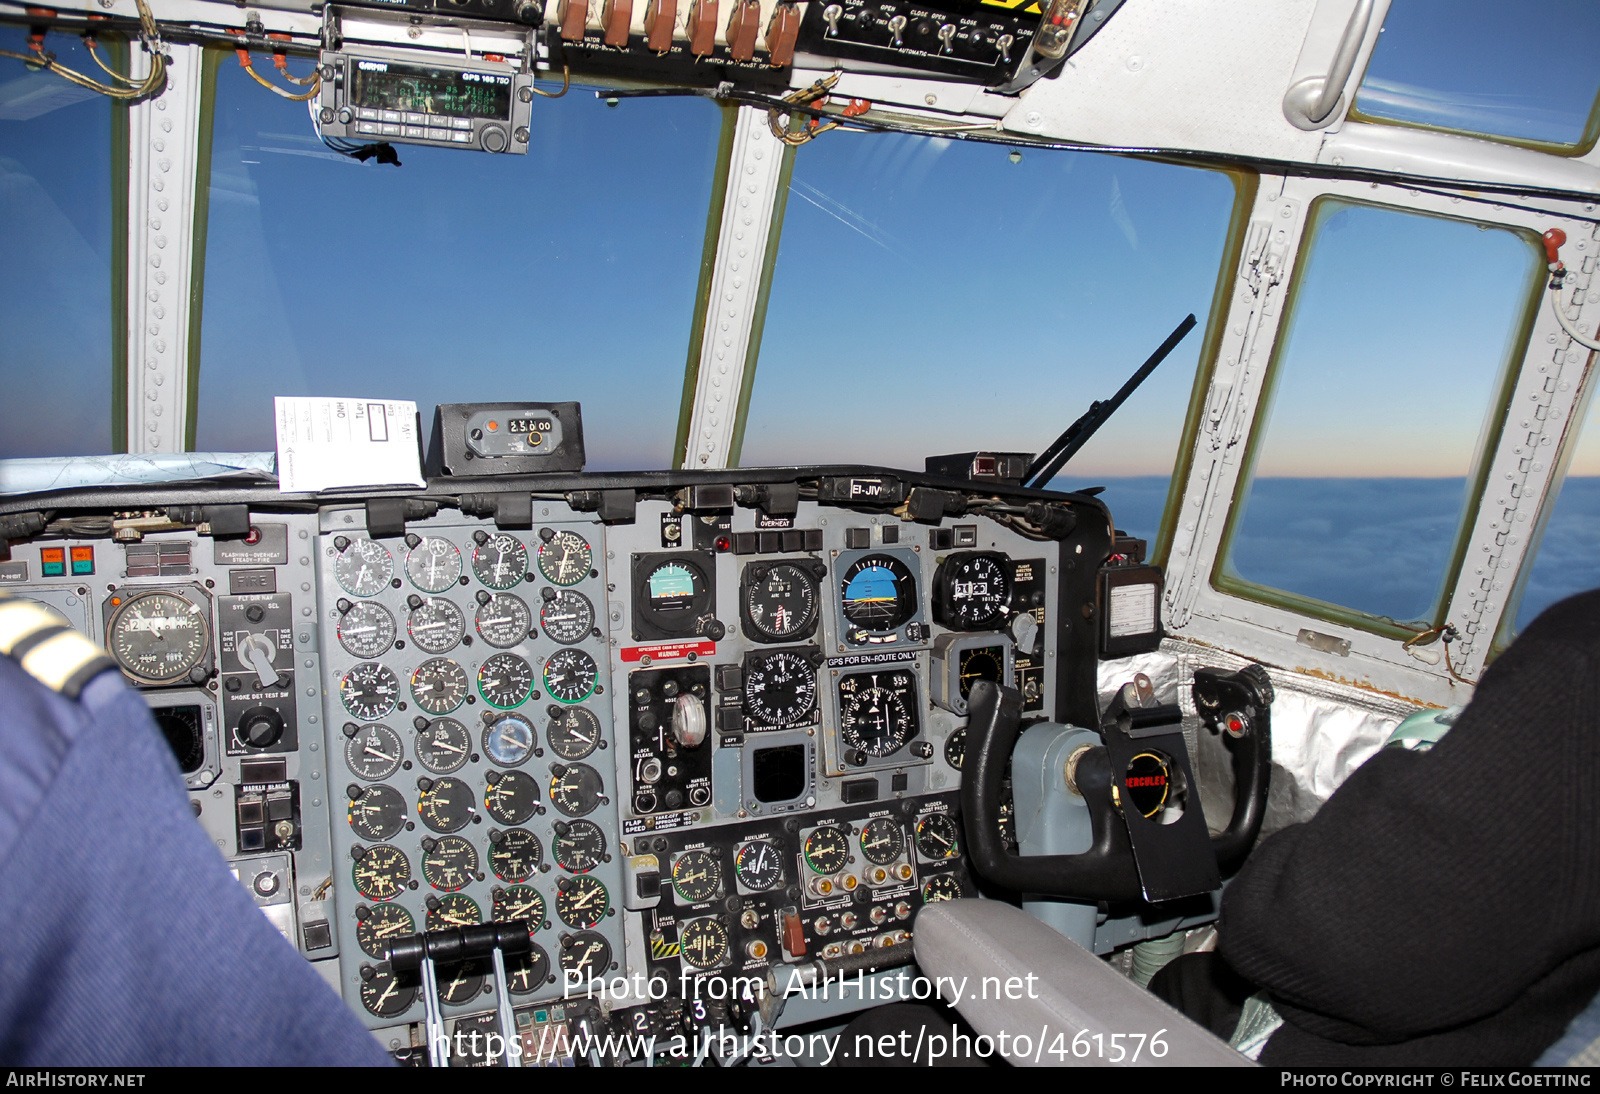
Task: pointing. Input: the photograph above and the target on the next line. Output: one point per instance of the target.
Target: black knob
(255, 613)
(493, 138)
(261, 727)
(674, 799)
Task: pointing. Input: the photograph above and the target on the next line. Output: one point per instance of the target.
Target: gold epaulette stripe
(20, 620)
(59, 658)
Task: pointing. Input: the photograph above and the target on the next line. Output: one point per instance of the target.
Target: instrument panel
(704, 742)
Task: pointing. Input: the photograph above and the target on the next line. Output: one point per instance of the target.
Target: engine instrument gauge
(877, 711)
(439, 685)
(943, 887)
(514, 855)
(370, 691)
(449, 865)
(447, 805)
(527, 973)
(503, 620)
(564, 558)
(575, 789)
(780, 689)
(363, 568)
(452, 910)
(827, 850)
(882, 841)
(506, 680)
(509, 739)
(383, 994)
(381, 873)
(461, 983)
(972, 591)
(779, 601)
(376, 812)
(159, 637)
(380, 926)
(579, 847)
(512, 796)
(696, 877)
(567, 616)
(955, 748)
(574, 732)
(433, 564)
(570, 675)
(435, 624)
(585, 955)
(758, 866)
(581, 901)
(367, 630)
(372, 752)
(443, 745)
(499, 560)
(703, 943)
(519, 902)
(937, 837)
(878, 593)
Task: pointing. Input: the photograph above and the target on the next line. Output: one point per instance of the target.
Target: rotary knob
(261, 727)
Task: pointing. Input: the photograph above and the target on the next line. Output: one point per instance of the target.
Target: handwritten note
(324, 444)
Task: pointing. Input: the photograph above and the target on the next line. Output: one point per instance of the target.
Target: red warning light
(494, 427)
(724, 543)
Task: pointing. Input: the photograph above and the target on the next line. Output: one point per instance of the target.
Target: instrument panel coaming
(725, 742)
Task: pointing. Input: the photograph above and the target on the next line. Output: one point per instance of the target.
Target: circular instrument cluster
(161, 636)
(878, 711)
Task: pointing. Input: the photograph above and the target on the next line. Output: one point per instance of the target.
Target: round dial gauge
(827, 850)
(363, 568)
(758, 866)
(585, 955)
(382, 993)
(503, 620)
(981, 663)
(703, 943)
(447, 805)
(381, 873)
(973, 592)
(877, 711)
(781, 602)
(519, 902)
(453, 910)
(366, 630)
(439, 685)
(570, 676)
(449, 864)
(158, 637)
(574, 732)
(499, 561)
(579, 846)
(937, 837)
(581, 901)
(461, 983)
(780, 689)
(672, 593)
(370, 691)
(878, 593)
(380, 926)
(435, 624)
(527, 973)
(434, 564)
(567, 617)
(955, 748)
(575, 790)
(697, 877)
(512, 796)
(943, 887)
(564, 558)
(376, 812)
(509, 740)
(882, 841)
(514, 855)
(371, 752)
(443, 745)
(505, 680)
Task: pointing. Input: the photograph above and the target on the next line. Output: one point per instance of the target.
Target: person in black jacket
(1443, 907)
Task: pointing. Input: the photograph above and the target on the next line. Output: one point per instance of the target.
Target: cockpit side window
(1524, 73)
(1385, 394)
(568, 273)
(56, 283)
(935, 296)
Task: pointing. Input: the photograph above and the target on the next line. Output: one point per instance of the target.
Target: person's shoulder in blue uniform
(127, 940)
